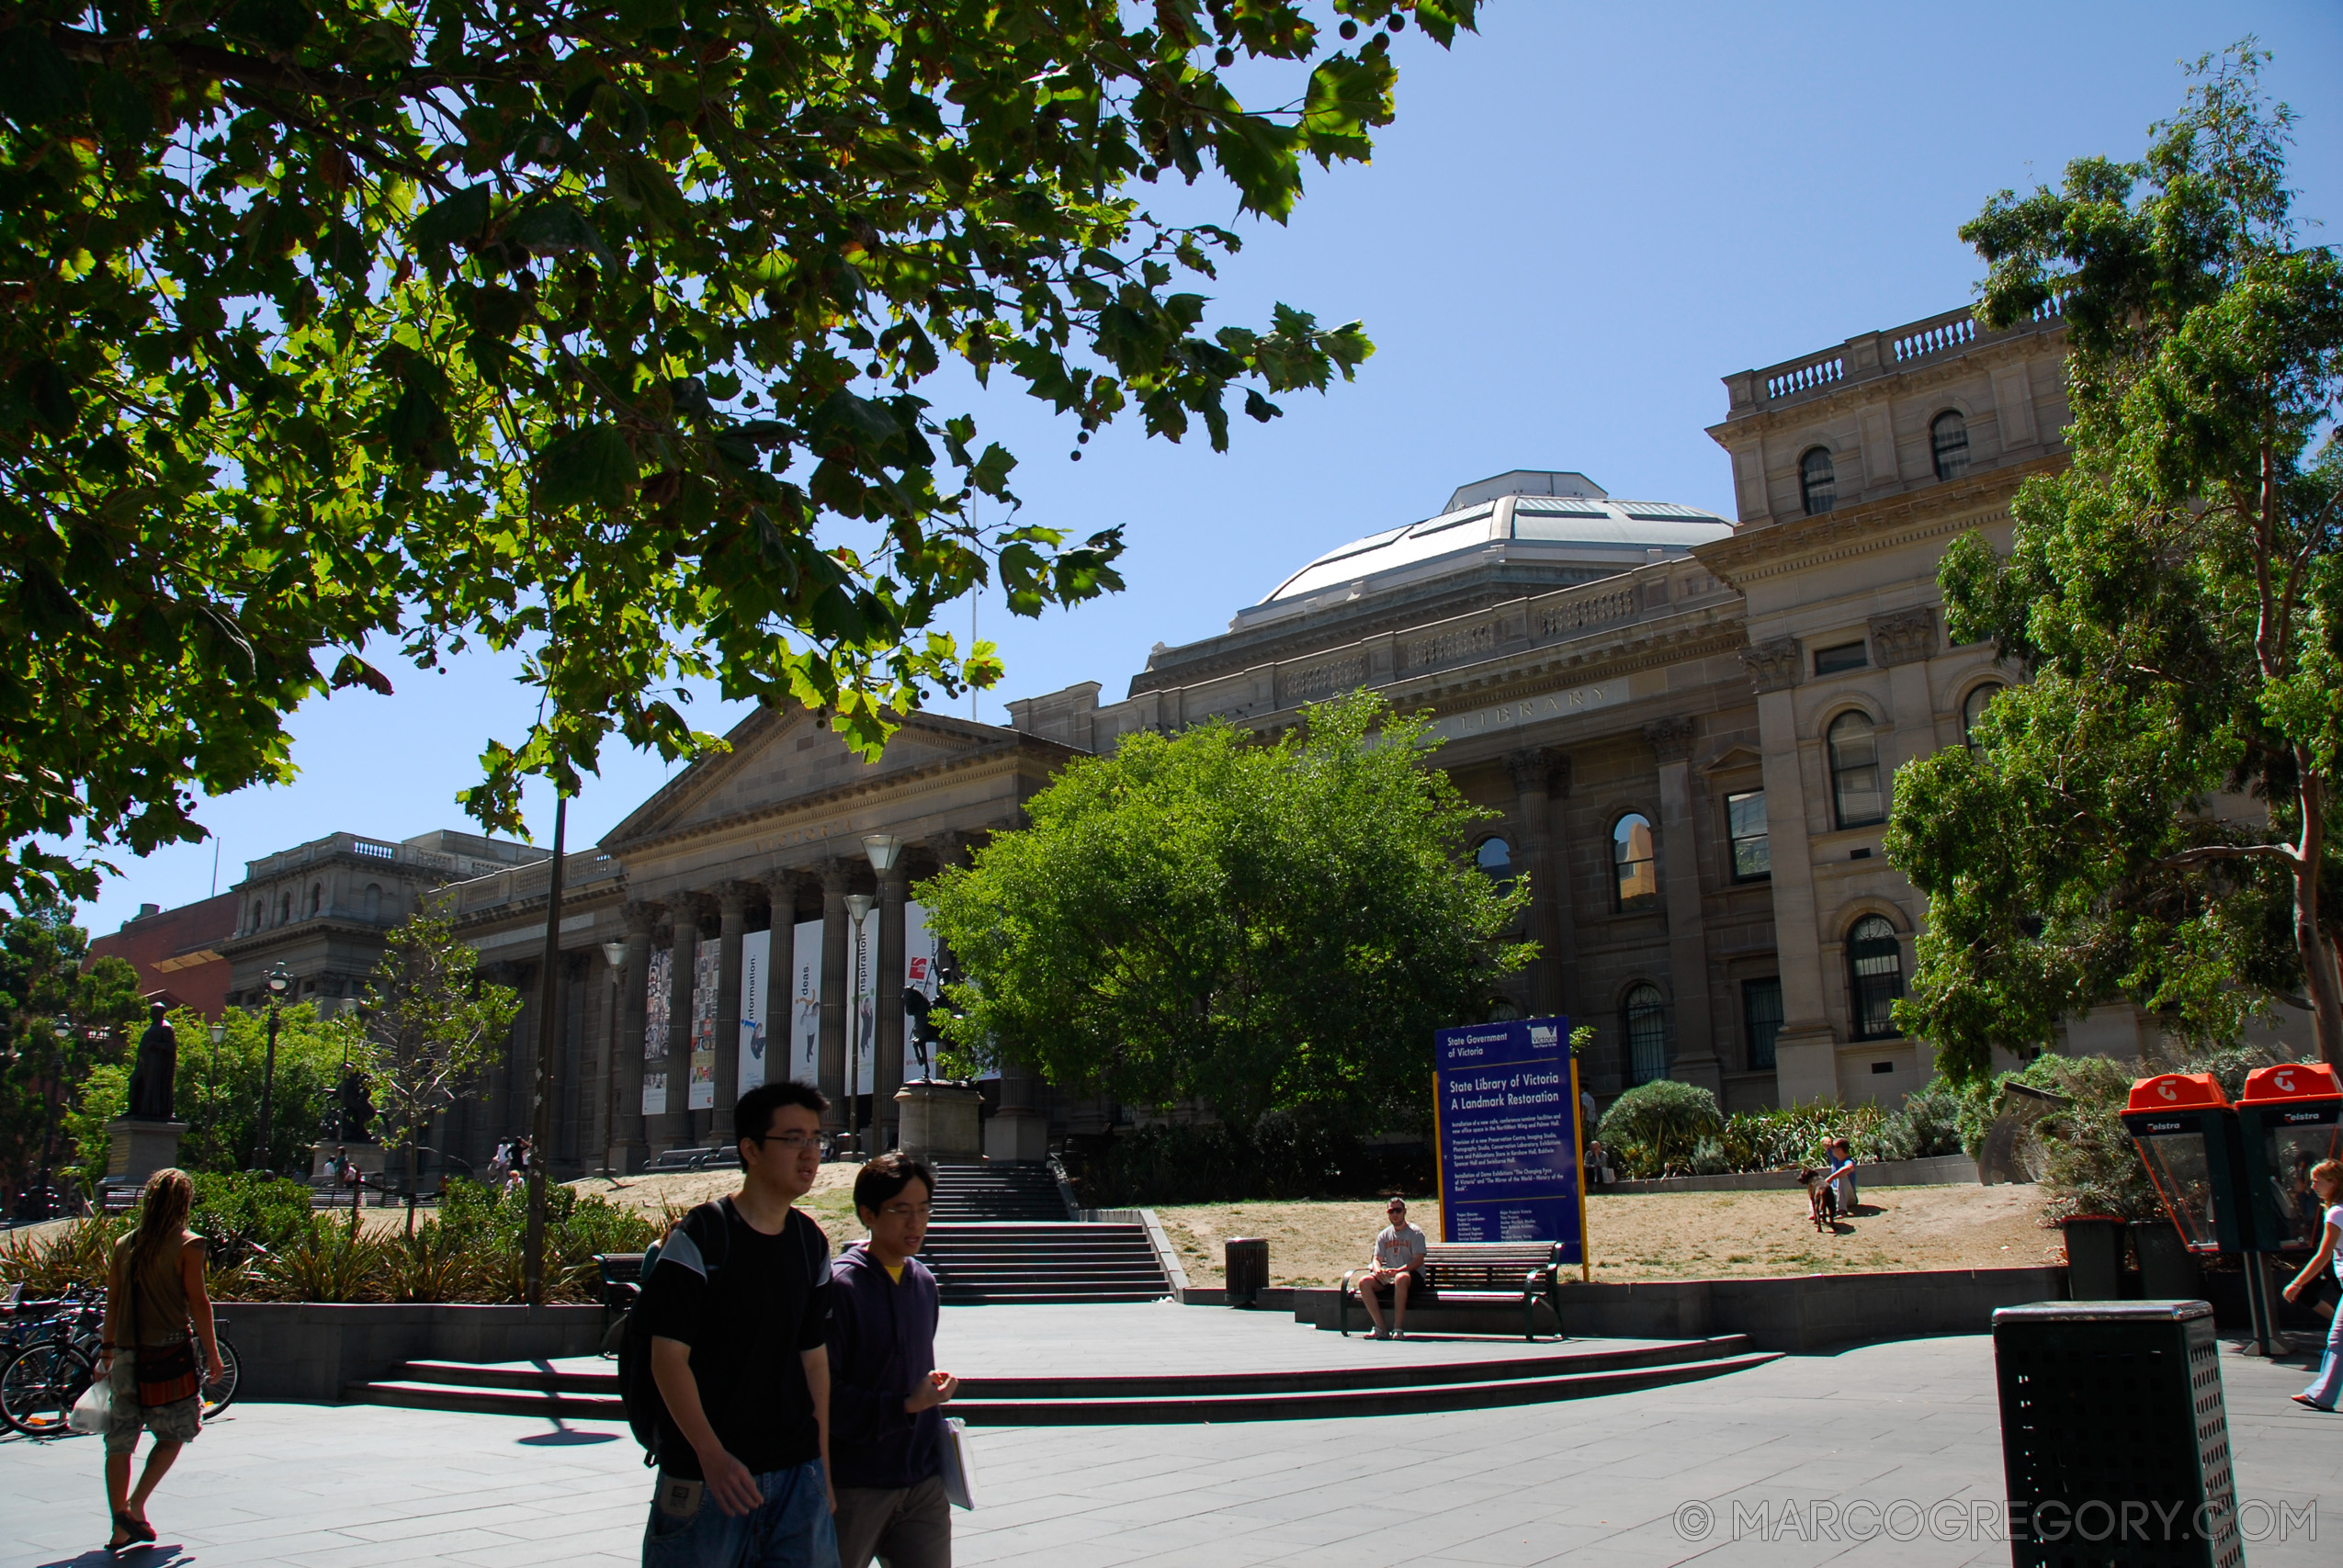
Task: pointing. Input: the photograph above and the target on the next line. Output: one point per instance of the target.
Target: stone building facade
(1692, 751)
(756, 854)
(1687, 727)
(321, 908)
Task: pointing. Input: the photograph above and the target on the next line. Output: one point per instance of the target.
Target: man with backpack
(732, 1322)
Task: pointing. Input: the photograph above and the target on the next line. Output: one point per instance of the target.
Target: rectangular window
(1842, 655)
(1745, 826)
(1762, 1020)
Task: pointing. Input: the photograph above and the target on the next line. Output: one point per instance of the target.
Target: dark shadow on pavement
(162, 1554)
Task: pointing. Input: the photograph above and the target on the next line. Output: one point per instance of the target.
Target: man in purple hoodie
(886, 1429)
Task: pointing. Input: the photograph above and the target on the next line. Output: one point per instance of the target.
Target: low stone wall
(1943, 1171)
(1801, 1314)
(310, 1351)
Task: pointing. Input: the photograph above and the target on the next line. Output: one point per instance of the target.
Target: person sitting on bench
(1399, 1264)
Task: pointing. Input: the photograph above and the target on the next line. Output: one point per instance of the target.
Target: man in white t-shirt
(1398, 1258)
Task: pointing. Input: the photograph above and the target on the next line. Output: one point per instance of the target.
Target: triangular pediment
(1739, 755)
(780, 755)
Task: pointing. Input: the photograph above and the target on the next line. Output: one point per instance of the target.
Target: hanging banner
(805, 1004)
(1507, 1099)
(756, 1025)
(706, 957)
(656, 992)
(919, 974)
(862, 1012)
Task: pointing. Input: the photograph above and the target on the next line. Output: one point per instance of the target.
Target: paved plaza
(1806, 1460)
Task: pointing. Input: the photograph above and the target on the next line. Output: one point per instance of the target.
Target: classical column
(837, 940)
(681, 1123)
(1695, 1063)
(1805, 1052)
(887, 1066)
(784, 1045)
(733, 920)
(628, 1021)
(1533, 774)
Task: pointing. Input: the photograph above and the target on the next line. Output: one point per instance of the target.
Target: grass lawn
(1636, 1235)
(1663, 1236)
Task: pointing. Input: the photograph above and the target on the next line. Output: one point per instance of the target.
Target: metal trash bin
(2168, 1270)
(1244, 1265)
(2114, 1440)
(2094, 1257)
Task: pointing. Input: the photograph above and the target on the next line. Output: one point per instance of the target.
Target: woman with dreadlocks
(155, 1296)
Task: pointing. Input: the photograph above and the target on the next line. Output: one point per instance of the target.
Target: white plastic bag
(959, 1464)
(92, 1410)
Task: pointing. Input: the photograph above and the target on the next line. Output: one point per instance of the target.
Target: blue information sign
(1507, 1098)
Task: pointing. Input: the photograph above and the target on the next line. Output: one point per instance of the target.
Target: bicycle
(40, 1383)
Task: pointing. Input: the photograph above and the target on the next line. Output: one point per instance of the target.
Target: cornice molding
(1775, 549)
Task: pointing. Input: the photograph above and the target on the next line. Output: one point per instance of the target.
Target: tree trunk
(2321, 983)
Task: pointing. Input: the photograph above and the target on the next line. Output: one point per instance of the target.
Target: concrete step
(413, 1395)
(535, 1390)
(1346, 1403)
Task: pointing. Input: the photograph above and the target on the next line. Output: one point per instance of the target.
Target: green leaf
(592, 466)
(451, 220)
(37, 85)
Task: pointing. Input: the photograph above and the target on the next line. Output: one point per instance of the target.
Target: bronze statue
(158, 1066)
(354, 1109)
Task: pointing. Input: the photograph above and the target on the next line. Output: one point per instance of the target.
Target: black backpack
(637, 1389)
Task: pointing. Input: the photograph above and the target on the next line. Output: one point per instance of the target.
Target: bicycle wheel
(221, 1392)
(38, 1385)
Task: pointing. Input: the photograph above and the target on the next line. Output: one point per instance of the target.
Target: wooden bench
(1527, 1272)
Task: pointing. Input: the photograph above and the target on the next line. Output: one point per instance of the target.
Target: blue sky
(1584, 217)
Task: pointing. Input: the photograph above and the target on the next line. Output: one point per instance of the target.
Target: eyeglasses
(792, 1142)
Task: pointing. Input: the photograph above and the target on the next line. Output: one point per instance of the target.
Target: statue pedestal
(939, 1120)
(1017, 1132)
(136, 1148)
(368, 1158)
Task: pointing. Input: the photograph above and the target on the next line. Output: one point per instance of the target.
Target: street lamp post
(280, 980)
(882, 850)
(857, 911)
(613, 953)
(212, 1089)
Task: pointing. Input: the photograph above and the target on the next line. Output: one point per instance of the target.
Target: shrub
(1933, 1114)
(1655, 1129)
(469, 1251)
(1301, 1153)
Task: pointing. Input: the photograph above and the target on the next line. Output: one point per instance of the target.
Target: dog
(1822, 1197)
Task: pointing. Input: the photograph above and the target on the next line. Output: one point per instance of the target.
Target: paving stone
(1600, 1481)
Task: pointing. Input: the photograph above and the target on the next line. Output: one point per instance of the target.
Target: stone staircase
(968, 1191)
(1003, 1233)
(588, 1390)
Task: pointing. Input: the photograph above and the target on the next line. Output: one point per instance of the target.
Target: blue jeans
(2329, 1382)
(790, 1529)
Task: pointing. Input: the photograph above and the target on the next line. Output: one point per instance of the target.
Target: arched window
(316, 898)
(1972, 708)
(1643, 1025)
(1495, 858)
(1631, 864)
(1817, 482)
(1854, 771)
(373, 901)
(1948, 440)
(284, 908)
(259, 913)
(1874, 976)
